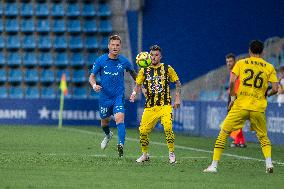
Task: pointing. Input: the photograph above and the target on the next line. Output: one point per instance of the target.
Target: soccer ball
(143, 59)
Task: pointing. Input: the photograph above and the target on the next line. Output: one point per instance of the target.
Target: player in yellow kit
(156, 79)
(250, 104)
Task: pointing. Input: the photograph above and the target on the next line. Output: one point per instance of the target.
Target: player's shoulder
(102, 58)
(168, 66)
(123, 58)
(242, 61)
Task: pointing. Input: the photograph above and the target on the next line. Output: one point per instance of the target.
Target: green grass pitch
(47, 157)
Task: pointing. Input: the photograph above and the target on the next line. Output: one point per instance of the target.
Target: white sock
(268, 161)
(214, 163)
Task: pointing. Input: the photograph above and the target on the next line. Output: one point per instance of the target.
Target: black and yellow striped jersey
(156, 80)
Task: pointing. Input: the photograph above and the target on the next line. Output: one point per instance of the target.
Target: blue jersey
(111, 72)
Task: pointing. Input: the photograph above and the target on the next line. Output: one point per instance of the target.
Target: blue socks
(121, 133)
(106, 129)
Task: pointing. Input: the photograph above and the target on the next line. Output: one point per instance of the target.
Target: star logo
(44, 113)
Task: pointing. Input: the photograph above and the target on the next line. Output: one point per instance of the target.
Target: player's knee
(143, 131)
(104, 122)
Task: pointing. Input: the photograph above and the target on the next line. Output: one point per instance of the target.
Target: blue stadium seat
(91, 42)
(79, 76)
(3, 76)
(41, 9)
(31, 76)
(44, 42)
(32, 92)
(14, 59)
(88, 10)
(13, 42)
(16, 92)
(273, 60)
(59, 73)
(74, 26)
(15, 75)
(93, 95)
(60, 42)
(104, 10)
(11, 9)
(47, 92)
(209, 95)
(45, 59)
(79, 92)
(27, 9)
(90, 26)
(3, 92)
(2, 59)
(1, 25)
(90, 59)
(73, 10)
(59, 26)
(27, 25)
(29, 42)
(2, 43)
(57, 10)
(75, 42)
(47, 76)
(76, 60)
(104, 43)
(61, 59)
(12, 25)
(29, 59)
(105, 26)
(43, 26)
(1, 9)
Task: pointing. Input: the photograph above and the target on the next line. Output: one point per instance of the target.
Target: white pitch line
(179, 146)
(104, 155)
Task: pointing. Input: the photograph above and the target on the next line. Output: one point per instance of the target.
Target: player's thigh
(235, 119)
(166, 113)
(105, 110)
(118, 105)
(258, 122)
(149, 120)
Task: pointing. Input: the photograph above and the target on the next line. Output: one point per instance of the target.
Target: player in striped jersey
(156, 80)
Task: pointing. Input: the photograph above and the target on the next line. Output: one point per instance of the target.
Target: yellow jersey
(254, 74)
(156, 80)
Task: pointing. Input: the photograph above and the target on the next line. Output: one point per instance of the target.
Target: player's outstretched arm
(92, 81)
(273, 90)
(133, 74)
(134, 93)
(232, 91)
(177, 96)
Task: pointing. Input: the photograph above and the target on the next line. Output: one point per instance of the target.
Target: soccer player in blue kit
(111, 68)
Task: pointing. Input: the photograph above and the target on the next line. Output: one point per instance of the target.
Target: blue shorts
(110, 107)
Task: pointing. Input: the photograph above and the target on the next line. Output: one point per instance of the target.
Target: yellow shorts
(236, 120)
(152, 115)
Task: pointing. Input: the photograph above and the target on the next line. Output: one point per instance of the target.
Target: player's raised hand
(97, 88)
(177, 103)
(132, 97)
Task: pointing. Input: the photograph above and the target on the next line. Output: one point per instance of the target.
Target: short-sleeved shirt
(255, 74)
(111, 72)
(156, 81)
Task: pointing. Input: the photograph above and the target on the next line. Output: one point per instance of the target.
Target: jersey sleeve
(96, 67)
(173, 75)
(140, 77)
(129, 66)
(273, 76)
(236, 69)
